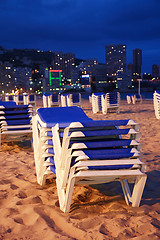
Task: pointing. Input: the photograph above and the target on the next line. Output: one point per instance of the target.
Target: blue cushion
(11, 117)
(18, 122)
(106, 144)
(54, 97)
(8, 104)
(31, 97)
(62, 115)
(7, 112)
(108, 153)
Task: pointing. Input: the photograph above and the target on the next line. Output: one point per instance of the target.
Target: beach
(29, 211)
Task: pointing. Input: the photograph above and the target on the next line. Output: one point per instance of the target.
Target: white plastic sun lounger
(9, 98)
(51, 100)
(96, 101)
(79, 150)
(136, 98)
(54, 100)
(74, 99)
(102, 102)
(110, 101)
(15, 122)
(46, 100)
(129, 99)
(30, 99)
(156, 103)
(19, 99)
(64, 97)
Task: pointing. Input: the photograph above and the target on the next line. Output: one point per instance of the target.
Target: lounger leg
(41, 179)
(61, 193)
(138, 190)
(135, 198)
(126, 191)
(68, 196)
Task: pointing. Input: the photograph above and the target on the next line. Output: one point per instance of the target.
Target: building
(137, 62)
(155, 71)
(124, 81)
(115, 56)
(14, 78)
(65, 62)
(52, 80)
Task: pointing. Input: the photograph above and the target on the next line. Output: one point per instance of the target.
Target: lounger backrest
(32, 97)
(11, 98)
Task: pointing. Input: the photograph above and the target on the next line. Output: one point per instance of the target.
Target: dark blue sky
(83, 27)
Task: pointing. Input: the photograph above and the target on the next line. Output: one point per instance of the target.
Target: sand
(31, 212)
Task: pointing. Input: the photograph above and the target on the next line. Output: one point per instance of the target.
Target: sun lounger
(110, 101)
(156, 103)
(104, 102)
(96, 101)
(74, 99)
(129, 99)
(54, 100)
(64, 97)
(9, 98)
(19, 99)
(30, 99)
(46, 100)
(136, 98)
(76, 149)
(15, 122)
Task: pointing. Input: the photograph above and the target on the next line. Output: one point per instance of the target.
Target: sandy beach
(29, 211)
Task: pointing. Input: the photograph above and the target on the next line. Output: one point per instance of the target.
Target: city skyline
(83, 27)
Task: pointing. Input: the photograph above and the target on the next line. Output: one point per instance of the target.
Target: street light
(139, 86)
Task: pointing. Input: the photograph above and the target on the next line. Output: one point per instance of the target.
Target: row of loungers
(78, 150)
(22, 99)
(64, 100)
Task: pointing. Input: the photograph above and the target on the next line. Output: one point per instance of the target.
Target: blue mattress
(62, 115)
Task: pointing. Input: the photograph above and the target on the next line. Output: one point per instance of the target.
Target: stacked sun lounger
(19, 99)
(76, 149)
(156, 103)
(30, 99)
(96, 101)
(9, 98)
(110, 101)
(104, 102)
(54, 100)
(74, 99)
(15, 122)
(46, 100)
(134, 98)
(51, 100)
(64, 97)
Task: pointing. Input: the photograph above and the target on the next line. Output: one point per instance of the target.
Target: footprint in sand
(2, 182)
(21, 195)
(18, 220)
(13, 186)
(30, 200)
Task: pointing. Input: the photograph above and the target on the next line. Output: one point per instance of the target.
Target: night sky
(83, 27)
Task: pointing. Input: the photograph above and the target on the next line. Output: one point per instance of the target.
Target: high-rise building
(115, 58)
(155, 71)
(137, 62)
(65, 62)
